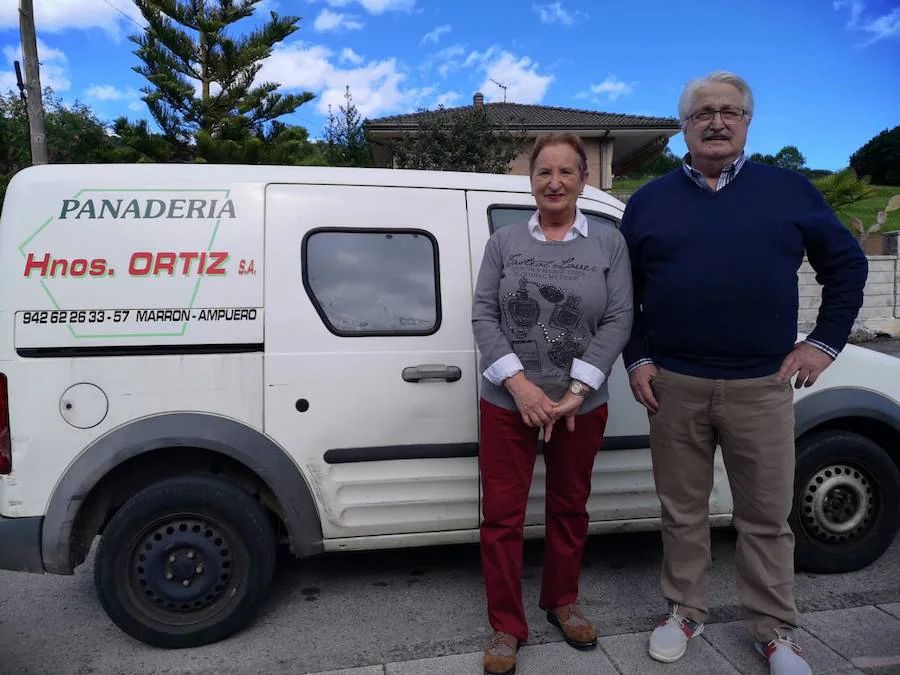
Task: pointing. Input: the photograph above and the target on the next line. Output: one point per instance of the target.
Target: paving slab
(540, 659)
(866, 636)
(629, 654)
(456, 664)
(368, 670)
(893, 609)
(733, 642)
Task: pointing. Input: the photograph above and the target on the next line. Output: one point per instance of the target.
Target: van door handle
(436, 371)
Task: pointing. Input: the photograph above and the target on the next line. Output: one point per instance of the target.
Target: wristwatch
(579, 388)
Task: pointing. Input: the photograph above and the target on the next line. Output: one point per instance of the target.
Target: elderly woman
(552, 312)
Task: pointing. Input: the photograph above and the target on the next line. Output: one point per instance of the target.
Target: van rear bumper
(20, 544)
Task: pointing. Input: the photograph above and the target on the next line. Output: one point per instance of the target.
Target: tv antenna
(502, 86)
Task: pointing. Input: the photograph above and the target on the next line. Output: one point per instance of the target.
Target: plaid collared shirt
(727, 175)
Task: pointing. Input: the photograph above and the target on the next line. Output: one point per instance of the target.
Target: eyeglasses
(729, 115)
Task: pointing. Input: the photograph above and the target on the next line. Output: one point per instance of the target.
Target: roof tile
(521, 115)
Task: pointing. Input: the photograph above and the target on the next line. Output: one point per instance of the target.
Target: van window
(502, 215)
(373, 282)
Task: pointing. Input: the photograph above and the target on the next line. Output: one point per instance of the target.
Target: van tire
(185, 562)
(846, 509)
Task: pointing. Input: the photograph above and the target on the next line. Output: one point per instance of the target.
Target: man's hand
(568, 407)
(807, 362)
(640, 379)
(536, 408)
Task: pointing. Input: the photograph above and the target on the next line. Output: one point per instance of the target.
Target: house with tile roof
(615, 143)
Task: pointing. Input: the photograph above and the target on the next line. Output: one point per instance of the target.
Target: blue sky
(824, 72)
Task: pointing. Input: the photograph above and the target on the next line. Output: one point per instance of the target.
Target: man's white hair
(692, 87)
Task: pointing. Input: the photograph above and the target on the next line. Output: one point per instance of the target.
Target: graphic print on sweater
(543, 317)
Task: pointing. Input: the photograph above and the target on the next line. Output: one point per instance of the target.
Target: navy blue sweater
(715, 273)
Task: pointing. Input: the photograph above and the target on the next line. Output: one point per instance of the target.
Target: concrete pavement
(864, 639)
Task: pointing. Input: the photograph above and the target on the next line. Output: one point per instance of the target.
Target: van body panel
(113, 276)
(203, 431)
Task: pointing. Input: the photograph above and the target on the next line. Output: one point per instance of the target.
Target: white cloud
(53, 16)
(523, 82)
(105, 92)
(377, 87)
(881, 27)
(435, 35)
(884, 27)
(856, 9)
(556, 13)
(335, 21)
(448, 99)
(54, 69)
(446, 60)
(377, 6)
(451, 52)
(350, 56)
(609, 90)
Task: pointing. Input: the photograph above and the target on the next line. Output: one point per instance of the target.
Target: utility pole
(34, 102)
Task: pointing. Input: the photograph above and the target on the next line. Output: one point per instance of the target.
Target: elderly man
(715, 247)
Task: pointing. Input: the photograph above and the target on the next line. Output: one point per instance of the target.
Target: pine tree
(201, 78)
(345, 137)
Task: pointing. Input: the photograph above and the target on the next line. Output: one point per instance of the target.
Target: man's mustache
(716, 135)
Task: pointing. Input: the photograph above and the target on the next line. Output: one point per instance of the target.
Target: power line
(124, 14)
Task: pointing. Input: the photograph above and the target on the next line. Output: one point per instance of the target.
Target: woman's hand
(536, 408)
(568, 407)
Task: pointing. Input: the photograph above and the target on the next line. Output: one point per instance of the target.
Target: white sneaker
(669, 639)
(785, 657)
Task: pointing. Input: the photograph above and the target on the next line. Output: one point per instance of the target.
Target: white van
(200, 362)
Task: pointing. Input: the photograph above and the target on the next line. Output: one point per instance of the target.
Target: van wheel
(185, 562)
(846, 509)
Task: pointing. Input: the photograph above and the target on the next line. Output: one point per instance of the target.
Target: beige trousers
(753, 421)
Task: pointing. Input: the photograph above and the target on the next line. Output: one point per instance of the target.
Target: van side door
(369, 374)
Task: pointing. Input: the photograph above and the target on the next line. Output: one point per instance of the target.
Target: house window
(501, 216)
(373, 282)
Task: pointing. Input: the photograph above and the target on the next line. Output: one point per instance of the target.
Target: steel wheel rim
(839, 504)
(179, 548)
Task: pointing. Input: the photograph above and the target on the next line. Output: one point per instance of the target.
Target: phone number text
(76, 316)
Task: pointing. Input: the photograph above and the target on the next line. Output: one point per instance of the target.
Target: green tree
(462, 139)
(202, 79)
(879, 158)
(74, 135)
(790, 157)
(345, 137)
(762, 159)
(280, 144)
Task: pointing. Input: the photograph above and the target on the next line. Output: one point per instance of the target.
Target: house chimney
(478, 99)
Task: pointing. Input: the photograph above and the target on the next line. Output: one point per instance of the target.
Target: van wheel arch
(143, 452)
(839, 429)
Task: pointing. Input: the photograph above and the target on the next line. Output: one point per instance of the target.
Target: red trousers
(507, 454)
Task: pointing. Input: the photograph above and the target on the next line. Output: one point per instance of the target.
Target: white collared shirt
(579, 227)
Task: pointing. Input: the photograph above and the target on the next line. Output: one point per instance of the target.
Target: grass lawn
(628, 184)
(868, 208)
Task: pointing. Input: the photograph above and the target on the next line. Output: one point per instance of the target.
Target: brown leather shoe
(500, 654)
(576, 629)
